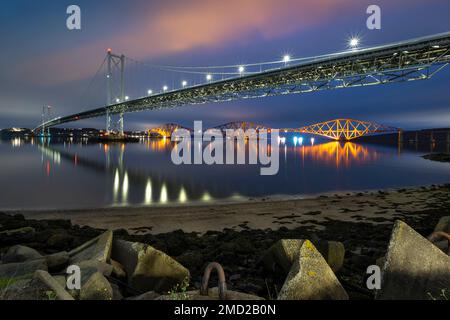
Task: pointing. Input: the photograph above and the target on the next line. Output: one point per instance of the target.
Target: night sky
(43, 63)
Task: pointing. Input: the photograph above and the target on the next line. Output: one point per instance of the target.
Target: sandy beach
(377, 207)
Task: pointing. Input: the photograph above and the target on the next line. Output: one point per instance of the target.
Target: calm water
(65, 174)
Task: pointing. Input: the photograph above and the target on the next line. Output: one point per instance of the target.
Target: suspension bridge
(411, 60)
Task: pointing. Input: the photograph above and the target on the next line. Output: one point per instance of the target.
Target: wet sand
(377, 207)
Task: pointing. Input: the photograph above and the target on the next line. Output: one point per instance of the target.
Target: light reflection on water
(76, 174)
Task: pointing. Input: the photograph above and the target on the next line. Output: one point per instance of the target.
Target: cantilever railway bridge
(346, 129)
(338, 129)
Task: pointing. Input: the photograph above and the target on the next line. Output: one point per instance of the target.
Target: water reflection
(125, 189)
(157, 188)
(116, 186)
(164, 197)
(148, 193)
(16, 142)
(183, 196)
(206, 197)
(338, 154)
(143, 174)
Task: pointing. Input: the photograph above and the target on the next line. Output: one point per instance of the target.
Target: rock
(443, 225)
(19, 231)
(361, 260)
(443, 246)
(148, 269)
(57, 261)
(53, 285)
(213, 294)
(415, 269)
(252, 288)
(95, 249)
(17, 235)
(25, 289)
(235, 277)
(89, 267)
(117, 295)
(192, 260)
(151, 295)
(20, 254)
(60, 241)
(61, 280)
(22, 269)
(97, 288)
(311, 278)
(176, 243)
(283, 254)
(118, 270)
(380, 262)
(41, 286)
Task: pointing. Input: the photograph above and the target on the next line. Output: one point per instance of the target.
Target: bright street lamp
(184, 84)
(208, 77)
(353, 42)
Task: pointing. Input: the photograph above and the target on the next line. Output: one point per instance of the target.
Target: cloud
(188, 25)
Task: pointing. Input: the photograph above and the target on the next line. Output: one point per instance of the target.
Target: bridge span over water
(338, 129)
(416, 59)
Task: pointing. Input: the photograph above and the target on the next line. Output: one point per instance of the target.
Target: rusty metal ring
(222, 282)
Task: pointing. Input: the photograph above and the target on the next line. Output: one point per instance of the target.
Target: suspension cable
(173, 68)
(83, 94)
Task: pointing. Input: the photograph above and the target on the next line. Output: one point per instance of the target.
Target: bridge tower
(46, 115)
(115, 91)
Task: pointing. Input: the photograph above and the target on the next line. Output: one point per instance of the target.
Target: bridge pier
(108, 122)
(121, 132)
(119, 125)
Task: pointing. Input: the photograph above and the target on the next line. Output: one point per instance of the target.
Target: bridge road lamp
(353, 43)
(286, 59)
(241, 70)
(184, 84)
(209, 77)
(150, 92)
(165, 88)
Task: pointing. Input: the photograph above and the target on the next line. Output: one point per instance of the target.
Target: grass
(179, 291)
